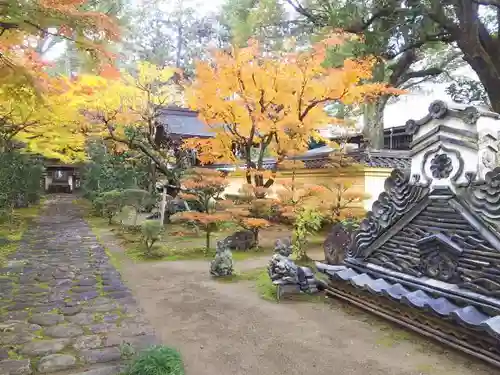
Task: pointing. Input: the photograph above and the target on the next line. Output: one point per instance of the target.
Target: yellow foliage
(46, 122)
(249, 98)
(115, 103)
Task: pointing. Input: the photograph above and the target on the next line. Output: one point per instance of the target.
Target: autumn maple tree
(272, 103)
(204, 188)
(250, 211)
(24, 23)
(125, 108)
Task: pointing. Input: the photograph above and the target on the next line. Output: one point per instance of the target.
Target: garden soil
(226, 328)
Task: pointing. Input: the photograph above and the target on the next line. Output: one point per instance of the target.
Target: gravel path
(63, 307)
(225, 329)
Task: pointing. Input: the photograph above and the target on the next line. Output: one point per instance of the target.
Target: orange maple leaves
(274, 103)
(89, 30)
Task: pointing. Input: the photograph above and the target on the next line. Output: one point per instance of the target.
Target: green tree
(108, 170)
(172, 34)
(408, 54)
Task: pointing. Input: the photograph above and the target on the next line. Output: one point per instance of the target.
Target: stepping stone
(44, 347)
(83, 289)
(70, 310)
(4, 354)
(56, 362)
(64, 331)
(15, 367)
(88, 342)
(46, 320)
(87, 281)
(100, 355)
(18, 326)
(107, 370)
(16, 338)
(137, 342)
(81, 319)
(102, 327)
(102, 308)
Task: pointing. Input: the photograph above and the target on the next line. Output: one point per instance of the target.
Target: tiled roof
(318, 158)
(467, 315)
(182, 121)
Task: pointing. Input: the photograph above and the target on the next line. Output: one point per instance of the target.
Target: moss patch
(13, 229)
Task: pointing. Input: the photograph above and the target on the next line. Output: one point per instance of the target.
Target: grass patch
(156, 360)
(13, 229)
(260, 279)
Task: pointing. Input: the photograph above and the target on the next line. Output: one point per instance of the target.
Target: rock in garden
(46, 320)
(56, 362)
(15, 367)
(336, 244)
(88, 342)
(100, 355)
(44, 347)
(241, 240)
(64, 331)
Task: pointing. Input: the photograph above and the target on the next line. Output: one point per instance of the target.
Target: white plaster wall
(374, 185)
(48, 181)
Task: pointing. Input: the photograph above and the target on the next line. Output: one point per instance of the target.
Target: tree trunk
(373, 118)
(489, 75)
(207, 242)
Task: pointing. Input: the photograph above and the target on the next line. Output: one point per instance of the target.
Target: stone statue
(289, 277)
(222, 265)
(242, 240)
(283, 247)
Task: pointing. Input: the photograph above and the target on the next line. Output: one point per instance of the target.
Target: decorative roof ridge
(400, 196)
(438, 109)
(400, 154)
(420, 298)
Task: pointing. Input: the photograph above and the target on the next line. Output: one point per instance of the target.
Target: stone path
(63, 307)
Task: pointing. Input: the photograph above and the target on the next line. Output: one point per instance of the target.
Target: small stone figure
(222, 265)
(242, 240)
(336, 244)
(283, 247)
(288, 277)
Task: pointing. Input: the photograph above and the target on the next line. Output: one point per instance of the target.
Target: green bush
(137, 199)
(110, 203)
(157, 360)
(20, 181)
(151, 232)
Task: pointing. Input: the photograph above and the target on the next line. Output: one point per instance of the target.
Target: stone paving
(63, 307)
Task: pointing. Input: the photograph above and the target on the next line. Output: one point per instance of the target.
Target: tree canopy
(272, 101)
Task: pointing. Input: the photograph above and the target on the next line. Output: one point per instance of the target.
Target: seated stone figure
(289, 277)
(241, 240)
(283, 247)
(222, 265)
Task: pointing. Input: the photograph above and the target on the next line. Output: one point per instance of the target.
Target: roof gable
(436, 234)
(183, 122)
